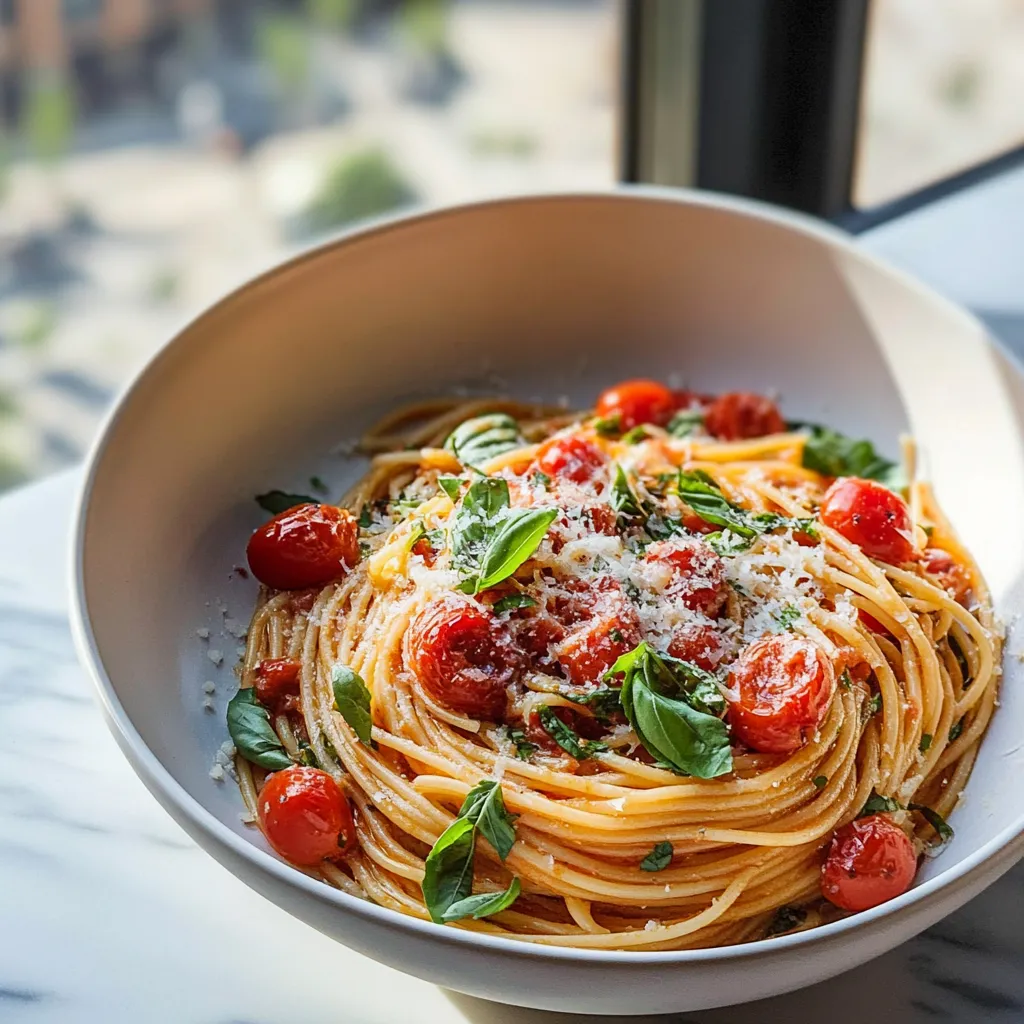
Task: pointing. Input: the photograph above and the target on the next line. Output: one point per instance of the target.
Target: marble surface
(110, 913)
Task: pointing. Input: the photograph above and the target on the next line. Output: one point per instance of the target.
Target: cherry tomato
(602, 624)
(738, 415)
(306, 546)
(463, 657)
(637, 401)
(305, 816)
(870, 516)
(871, 622)
(950, 574)
(869, 861)
(696, 573)
(277, 678)
(783, 685)
(699, 645)
(569, 458)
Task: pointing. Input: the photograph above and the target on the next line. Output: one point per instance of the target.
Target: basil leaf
(483, 438)
(877, 804)
(484, 806)
(451, 485)
(697, 686)
(365, 519)
(659, 858)
(872, 706)
(623, 498)
(607, 426)
(524, 748)
(725, 542)
(416, 534)
(686, 422)
(785, 920)
(787, 616)
(942, 828)
(566, 737)
(954, 732)
(252, 734)
(846, 680)
(833, 454)
(603, 701)
(276, 502)
(820, 781)
(541, 480)
(510, 601)
(483, 904)
(448, 870)
(512, 544)
(705, 497)
(634, 436)
(474, 519)
(352, 699)
(926, 742)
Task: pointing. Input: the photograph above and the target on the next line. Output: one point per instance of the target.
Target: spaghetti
(648, 679)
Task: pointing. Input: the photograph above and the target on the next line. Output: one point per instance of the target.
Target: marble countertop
(110, 913)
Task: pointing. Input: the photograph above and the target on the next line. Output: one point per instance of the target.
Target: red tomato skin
(869, 861)
(463, 657)
(601, 625)
(305, 816)
(697, 573)
(871, 622)
(870, 516)
(277, 678)
(569, 458)
(633, 402)
(699, 645)
(305, 546)
(740, 415)
(950, 574)
(783, 685)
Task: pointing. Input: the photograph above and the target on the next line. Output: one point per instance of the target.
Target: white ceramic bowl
(551, 296)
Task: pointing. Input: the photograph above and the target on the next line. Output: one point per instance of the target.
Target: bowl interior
(545, 297)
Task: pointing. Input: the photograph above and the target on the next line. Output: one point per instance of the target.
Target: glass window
(943, 87)
(182, 146)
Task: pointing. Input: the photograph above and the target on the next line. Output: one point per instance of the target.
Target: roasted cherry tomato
(305, 816)
(783, 685)
(870, 861)
(695, 574)
(699, 645)
(601, 625)
(463, 657)
(870, 516)
(569, 458)
(949, 574)
(738, 415)
(277, 678)
(306, 546)
(634, 402)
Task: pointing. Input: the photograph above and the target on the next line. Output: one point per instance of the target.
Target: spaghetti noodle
(616, 681)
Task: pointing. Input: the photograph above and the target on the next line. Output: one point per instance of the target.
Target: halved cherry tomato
(696, 573)
(569, 458)
(305, 816)
(783, 685)
(738, 415)
(950, 574)
(699, 645)
(870, 516)
(869, 861)
(463, 657)
(305, 546)
(277, 678)
(634, 402)
(602, 624)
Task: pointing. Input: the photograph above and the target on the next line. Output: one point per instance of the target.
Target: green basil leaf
(485, 807)
(623, 498)
(942, 828)
(635, 436)
(276, 502)
(448, 870)
(604, 701)
(877, 804)
(787, 616)
(705, 497)
(846, 680)
(686, 422)
(566, 737)
(954, 732)
(512, 544)
(510, 601)
(872, 706)
(698, 687)
(416, 534)
(607, 426)
(365, 519)
(785, 920)
(926, 742)
(483, 904)
(524, 748)
(451, 485)
(474, 520)
(541, 480)
(726, 543)
(659, 858)
(833, 454)
(352, 699)
(820, 781)
(252, 734)
(483, 438)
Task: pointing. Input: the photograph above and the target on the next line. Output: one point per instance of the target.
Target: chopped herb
(634, 436)
(541, 480)
(659, 858)
(787, 616)
(876, 804)
(252, 734)
(318, 485)
(451, 485)
(606, 426)
(846, 680)
(833, 454)
(365, 519)
(821, 781)
(365, 548)
(872, 706)
(352, 700)
(726, 543)
(961, 659)
(785, 920)
(510, 601)
(483, 438)
(623, 498)
(942, 828)
(402, 506)
(524, 748)
(926, 742)
(616, 634)
(276, 502)
(686, 422)
(958, 727)
(566, 737)
(603, 701)
(416, 534)
(307, 755)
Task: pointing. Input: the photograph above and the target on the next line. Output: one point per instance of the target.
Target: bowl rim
(1009, 841)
